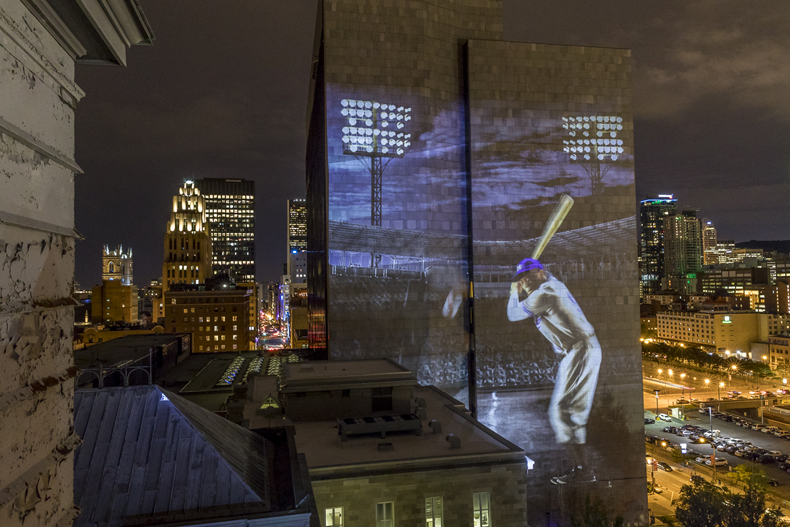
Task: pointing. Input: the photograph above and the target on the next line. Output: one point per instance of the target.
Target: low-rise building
(169, 462)
(219, 320)
(718, 329)
(380, 447)
(779, 349)
(114, 302)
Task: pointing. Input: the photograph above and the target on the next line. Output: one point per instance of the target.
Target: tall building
(296, 266)
(297, 225)
(230, 208)
(117, 265)
(42, 43)
(709, 241)
(187, 240)
(435, 161)
(682, 246)
(652, 213)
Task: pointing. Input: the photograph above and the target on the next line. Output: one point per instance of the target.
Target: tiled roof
(148, 453)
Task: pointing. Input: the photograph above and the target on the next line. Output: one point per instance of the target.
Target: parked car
(720, 462)
(773, 483)
(774, 452)
(766, 459)
(663, 465)
(702, 459)
(649, 421)
(665, 417)
(670, 429)
(755, 427)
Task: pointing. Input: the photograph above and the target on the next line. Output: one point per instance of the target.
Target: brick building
(217, 319)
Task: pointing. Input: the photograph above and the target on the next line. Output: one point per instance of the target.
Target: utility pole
(656, 401)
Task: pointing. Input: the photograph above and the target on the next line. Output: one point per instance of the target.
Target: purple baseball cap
(527, 264)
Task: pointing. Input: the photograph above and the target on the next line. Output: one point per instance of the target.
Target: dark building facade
(438, 158)
(652, 213)
(230, 209)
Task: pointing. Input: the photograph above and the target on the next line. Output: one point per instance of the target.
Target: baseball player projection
(536, 294)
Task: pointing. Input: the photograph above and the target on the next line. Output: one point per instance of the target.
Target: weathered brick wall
(408, 490)
(36, 272)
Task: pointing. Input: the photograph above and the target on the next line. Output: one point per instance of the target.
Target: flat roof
(329, 456)
(123, 349)
(200, 372)
(328, 375)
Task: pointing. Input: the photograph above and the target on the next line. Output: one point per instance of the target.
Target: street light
(721, 385)
(682, 388)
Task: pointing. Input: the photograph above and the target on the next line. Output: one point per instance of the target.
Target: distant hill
(782, 246)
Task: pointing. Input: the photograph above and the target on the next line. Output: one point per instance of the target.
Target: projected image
(397, 242)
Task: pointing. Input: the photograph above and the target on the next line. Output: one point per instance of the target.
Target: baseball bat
(555, 220)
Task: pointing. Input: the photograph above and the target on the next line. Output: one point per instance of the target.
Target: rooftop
(324, 375)
(149, 454)
(326, 453)
(125, 349)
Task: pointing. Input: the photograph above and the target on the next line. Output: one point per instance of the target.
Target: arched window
(111, 267)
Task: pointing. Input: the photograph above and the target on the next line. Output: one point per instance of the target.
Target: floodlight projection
(593, 143)
(375, 131)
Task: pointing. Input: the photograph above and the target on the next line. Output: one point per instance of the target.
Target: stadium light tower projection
(375, 131)
(592, 142)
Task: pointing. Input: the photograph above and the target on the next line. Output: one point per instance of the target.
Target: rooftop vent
(421, 413)
(454, 440)
(435, 426)
(379, 425)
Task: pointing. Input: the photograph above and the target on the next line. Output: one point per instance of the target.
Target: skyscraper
(187, 242)
(709, 241)
(437, 156)
(297, 224)
(230, 209)
(682, 244)
(297, 240)
(652, 213)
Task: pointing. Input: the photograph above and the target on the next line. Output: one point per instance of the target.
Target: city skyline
(692, 67)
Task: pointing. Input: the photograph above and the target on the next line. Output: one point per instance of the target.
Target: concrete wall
(38, 97)
(36, 272)
(359, 496)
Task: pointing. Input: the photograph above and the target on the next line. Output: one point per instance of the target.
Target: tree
(705, 505)
(701, 505)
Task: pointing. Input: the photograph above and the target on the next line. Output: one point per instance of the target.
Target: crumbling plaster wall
(37, 101)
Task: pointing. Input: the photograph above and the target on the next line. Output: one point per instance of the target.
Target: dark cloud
(222, 93)
(711, 111)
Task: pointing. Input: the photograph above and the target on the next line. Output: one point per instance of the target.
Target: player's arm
(515, 312)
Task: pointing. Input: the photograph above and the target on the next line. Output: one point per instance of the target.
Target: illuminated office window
(334, 517)
(481, 503)
(433, 512)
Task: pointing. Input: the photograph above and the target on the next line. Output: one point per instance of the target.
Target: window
(433, 512)
(481, 502)
(384, 514)
(223, 319)
(334, 517)
(235, 318)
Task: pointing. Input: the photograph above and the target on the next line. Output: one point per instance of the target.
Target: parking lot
(736, 444)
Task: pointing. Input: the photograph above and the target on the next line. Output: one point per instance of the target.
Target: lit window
(481, 502)
(433, 512)
(334, 517)
(384, 514)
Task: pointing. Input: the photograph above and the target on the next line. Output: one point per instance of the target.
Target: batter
(560, 319)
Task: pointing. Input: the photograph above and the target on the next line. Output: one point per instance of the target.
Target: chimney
(454, 440)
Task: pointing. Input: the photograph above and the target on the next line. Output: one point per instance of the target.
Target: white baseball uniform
(560, 319)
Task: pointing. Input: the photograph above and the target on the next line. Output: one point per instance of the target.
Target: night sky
(223, 93)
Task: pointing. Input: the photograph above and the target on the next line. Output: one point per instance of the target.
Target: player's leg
(584, 380)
